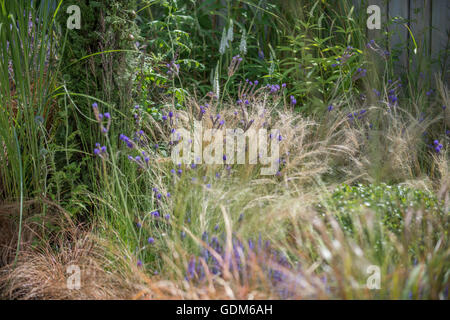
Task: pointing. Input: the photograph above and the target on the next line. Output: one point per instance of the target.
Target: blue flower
(155, 214)
(150, 240)
(293, 100)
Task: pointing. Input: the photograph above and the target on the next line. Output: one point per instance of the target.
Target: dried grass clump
(41, 270)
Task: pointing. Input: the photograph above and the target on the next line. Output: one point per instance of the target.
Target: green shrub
(389, 202)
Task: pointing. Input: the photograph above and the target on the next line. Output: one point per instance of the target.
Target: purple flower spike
(151, 240)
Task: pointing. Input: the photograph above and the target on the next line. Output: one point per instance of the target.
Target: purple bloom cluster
(356, 115)
(101, 118)
(293, 100)
(348, 53)
(276, 267)
(173, 68)
(360, 73)
(234, 65)
(375, 47)
(127, 140)
(100, 151)
(274, 88)
(437, 146)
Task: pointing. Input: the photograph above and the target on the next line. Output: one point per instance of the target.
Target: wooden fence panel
(429, 21)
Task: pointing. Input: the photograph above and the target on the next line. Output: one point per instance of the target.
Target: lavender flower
(293, 100)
